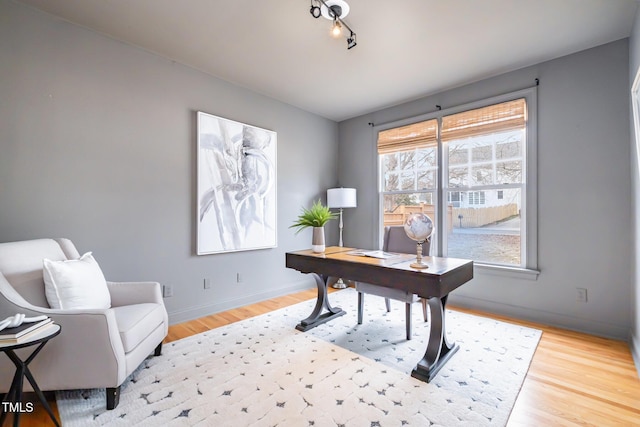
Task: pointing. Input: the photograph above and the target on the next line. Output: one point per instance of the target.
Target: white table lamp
(341, 198)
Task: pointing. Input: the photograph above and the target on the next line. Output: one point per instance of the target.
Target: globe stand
(419, 264)
(419, 228)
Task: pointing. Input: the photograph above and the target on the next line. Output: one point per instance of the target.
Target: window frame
(529, 237)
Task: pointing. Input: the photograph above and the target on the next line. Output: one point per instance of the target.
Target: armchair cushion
(136, 322)
(75, 284)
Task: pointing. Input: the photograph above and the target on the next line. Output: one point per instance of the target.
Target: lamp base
(339, 284)
(419, 265)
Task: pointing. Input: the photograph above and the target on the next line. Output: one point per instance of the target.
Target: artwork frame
(236, 186)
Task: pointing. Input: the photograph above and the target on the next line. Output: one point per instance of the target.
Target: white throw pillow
(77, 284)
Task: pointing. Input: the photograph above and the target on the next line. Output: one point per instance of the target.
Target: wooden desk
(434, 284)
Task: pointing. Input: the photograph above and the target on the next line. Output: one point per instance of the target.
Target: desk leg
(317, 317)
(439, 349)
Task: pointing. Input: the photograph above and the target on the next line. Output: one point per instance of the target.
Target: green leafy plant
(316, 216)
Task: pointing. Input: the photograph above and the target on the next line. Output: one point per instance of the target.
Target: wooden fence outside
(456, 217)
(477, 217)
(400, 214)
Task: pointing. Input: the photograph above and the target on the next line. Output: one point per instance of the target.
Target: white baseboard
(540, 316)
(191, 313)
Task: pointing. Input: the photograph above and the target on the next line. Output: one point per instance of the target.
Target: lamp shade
(341, 198)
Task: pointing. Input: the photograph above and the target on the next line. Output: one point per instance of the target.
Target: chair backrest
(21, 265)
(396, 240)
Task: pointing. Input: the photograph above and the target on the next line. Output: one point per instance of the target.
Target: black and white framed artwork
(236, 186)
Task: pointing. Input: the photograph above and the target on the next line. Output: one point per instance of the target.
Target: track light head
(315, 11)
(351, 40)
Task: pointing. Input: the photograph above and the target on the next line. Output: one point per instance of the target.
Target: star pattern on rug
(262, 372)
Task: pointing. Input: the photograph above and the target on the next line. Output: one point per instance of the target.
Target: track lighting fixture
(334, 10)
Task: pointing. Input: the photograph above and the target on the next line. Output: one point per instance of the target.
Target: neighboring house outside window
(467, 169)
(476, 197)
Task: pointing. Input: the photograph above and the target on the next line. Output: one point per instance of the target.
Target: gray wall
(97, 144)
(584, 207)
(634, 67)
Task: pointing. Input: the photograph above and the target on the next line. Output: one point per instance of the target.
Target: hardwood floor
(575, 379)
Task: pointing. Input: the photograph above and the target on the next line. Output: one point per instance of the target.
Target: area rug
(263, 372)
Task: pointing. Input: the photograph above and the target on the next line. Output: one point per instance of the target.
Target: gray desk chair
(395, 240)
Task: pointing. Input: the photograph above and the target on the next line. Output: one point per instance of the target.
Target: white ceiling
(406, 48)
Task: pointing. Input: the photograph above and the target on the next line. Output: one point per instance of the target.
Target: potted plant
(316, 217)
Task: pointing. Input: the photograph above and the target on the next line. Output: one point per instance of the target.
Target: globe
(418, 227)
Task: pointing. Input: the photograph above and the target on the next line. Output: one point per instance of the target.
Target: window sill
(505, 271)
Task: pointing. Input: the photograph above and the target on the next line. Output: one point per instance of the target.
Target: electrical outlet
(581, 296)
(207, 283)
(168, 291)
(238, 278)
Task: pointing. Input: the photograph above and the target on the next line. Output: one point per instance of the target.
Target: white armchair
(97, 348)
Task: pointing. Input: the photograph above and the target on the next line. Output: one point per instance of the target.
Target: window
(409, 164)
(467, 169)
(476, 197)
(454, 198)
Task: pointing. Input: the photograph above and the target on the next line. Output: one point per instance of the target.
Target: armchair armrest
(88, 352)
(89, 347)
(126, 293)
